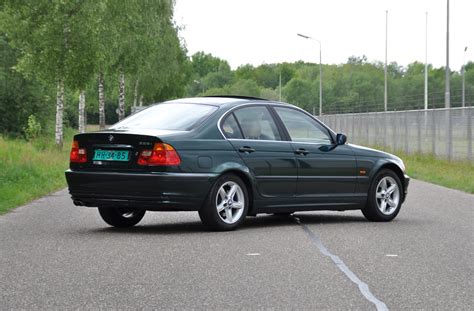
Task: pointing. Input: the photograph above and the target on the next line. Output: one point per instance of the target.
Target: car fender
(244, 173)
(391, 164)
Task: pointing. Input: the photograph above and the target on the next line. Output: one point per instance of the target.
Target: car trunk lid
(118, 150)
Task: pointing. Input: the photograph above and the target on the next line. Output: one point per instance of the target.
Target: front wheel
(121, 217)
(385, 197)
(226, 205)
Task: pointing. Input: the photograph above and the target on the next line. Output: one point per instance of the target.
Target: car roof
(219, 100)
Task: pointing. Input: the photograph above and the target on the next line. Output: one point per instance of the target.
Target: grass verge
(452, 174)
(29, 170)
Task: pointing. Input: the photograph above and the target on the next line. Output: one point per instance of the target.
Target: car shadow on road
(273, 220)
(185, 227)
(251, 223)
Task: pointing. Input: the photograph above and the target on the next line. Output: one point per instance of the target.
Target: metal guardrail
(445, 133)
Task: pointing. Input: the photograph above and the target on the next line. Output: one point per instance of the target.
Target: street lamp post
(447, 92)
(279, 89)
(320, 76)
(385, 96)
(463, 70)
(426, 62)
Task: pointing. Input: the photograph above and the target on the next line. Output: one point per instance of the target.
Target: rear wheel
(385, 197)
(121, 217)
(226, 205)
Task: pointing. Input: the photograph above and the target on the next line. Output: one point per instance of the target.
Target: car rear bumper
(158, 191)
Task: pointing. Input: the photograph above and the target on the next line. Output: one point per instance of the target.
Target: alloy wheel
(387, 195)
(230, 202)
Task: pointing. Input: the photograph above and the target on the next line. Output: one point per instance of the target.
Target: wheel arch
(247, 180)
(397, 170)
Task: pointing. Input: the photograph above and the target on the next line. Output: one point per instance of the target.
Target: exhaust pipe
(78, 203)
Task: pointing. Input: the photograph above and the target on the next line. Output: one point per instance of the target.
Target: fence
(400, 103)
(446, 133)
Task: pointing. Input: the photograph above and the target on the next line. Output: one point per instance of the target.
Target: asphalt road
(54, 255)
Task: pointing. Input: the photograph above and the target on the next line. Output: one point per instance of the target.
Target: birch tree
(53, 43)
(105, 40)
(121, 101)
(68, 43)
(143, 30)
(58, 132)
(135, 93)
(40, 31)
(101, 101)
(161, 69)
(81, 109)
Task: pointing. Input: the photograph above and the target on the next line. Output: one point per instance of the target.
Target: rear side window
(303, 128)
(173, 116)
(231, 128)
(257, 123)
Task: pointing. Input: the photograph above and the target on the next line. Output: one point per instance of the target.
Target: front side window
(257, 123)
(302, 128)
(172, 116)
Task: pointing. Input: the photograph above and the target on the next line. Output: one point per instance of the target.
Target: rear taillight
(78, 155)
(162, 154)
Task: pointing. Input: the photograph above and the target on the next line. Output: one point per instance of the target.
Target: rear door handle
(246, 149)
(301, 151)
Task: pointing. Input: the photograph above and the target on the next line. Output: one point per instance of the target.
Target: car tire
(226, 205)
(121, 217)
(385, 197)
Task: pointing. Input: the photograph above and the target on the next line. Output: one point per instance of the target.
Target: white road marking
(253, 254)
(363, 287)
(391, 255)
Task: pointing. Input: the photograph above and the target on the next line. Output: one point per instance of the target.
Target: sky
(264, 31)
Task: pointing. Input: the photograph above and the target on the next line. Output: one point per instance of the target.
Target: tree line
(85, 48)
(355, 86)
(85, 61)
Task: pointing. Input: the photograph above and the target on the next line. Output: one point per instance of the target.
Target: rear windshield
(173, 116)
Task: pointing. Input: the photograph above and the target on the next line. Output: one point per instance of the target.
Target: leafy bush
(21, 97)
(33, 129)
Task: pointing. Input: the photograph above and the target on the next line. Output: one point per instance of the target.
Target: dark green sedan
(228, 158)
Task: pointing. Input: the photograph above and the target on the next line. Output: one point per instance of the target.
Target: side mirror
(341, 139)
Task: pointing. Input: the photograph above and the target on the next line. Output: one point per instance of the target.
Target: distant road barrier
(446, 133)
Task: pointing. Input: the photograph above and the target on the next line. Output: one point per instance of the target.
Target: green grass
(29, 170)
(452, 174)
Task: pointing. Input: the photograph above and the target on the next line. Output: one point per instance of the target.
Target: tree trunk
(101, 101)
(135, 94)
(141, 100)
(82, 106)
(121, 104)
(59, 114)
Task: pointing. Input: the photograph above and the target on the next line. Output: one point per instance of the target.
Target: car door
(253, 132)
(324, 168)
